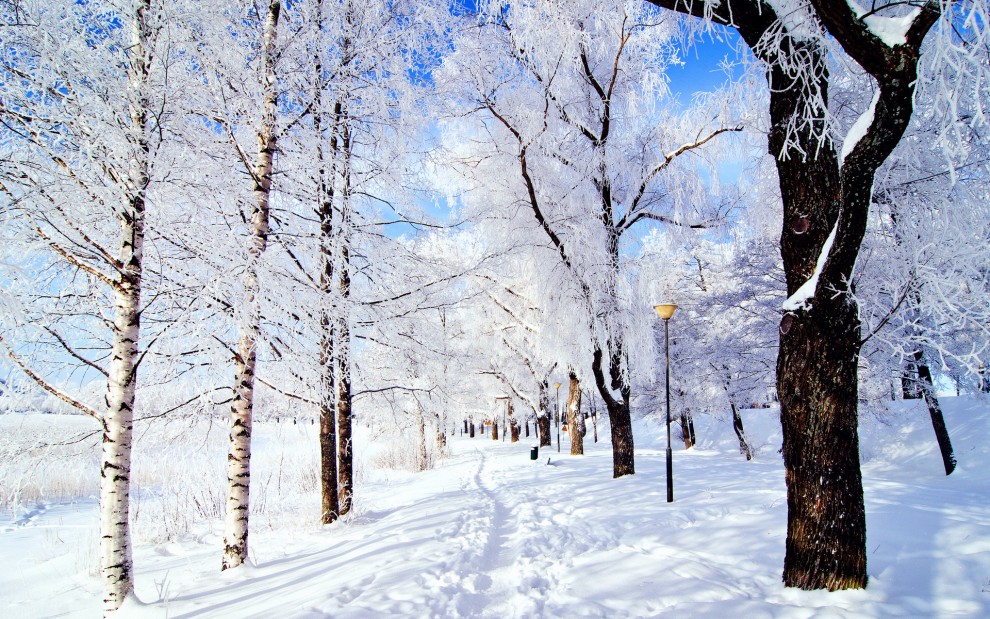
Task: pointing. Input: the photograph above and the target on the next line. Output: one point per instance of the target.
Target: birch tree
(82, 109)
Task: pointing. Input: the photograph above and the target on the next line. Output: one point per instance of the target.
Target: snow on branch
(802, 297)
(891, 30)
(859, 128)
(634, 214)
(44, 384)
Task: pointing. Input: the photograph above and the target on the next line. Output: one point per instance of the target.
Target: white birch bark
(116, 562)
(424, 457)
(239, 456)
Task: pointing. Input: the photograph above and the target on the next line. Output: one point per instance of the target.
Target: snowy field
(489, 533)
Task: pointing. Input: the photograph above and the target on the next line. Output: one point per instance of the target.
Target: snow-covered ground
(490, 533)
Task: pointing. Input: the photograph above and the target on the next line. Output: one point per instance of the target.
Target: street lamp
(556, 414)
(665, 311)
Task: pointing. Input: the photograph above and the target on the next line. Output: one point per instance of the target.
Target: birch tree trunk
(116, 556)
(241, 411)
(573, 415)
(423, 458)
(441, 434)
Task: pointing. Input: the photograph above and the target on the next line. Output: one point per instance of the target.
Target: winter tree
(826, 186)
(84, 106)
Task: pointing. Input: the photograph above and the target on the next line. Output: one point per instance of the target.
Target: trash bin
(534, 452)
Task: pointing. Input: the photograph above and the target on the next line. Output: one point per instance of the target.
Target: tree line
(384, 208)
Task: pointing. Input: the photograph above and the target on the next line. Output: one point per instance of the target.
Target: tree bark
(619, 418)
(544, 417)
(441, 435)
(471, 429)
(239, 456)
(494, 430)
(329, 499)
(422, 460)
(345, 448)
(737, 426)
(820, 345)
(817, 384)
(116, 552)
(935, 412)
(513, 424)
(574, 421)
(910, 383)
(342, 345)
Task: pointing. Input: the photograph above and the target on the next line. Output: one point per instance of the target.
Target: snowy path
(492, 534)
(450, 550)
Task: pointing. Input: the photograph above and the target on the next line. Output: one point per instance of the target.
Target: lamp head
(556, 385)
(665, 310)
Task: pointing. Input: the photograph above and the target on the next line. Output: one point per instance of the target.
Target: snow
(801, 299)
(859, 128)
(490, 533)
(891, 30)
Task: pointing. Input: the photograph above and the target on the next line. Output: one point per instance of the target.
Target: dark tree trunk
(513, 424)
(685, 431)
(465, 426)
(345, 452)
(471, 430)
(623, 462)
(910, 383)
(737, 425)
(527, 427)
(330, 508)
(935, 411)
(544, 417)
(494, 430)
(594, 418)
(819, 345)
(817, 383)
(345, 448)
(694, 438)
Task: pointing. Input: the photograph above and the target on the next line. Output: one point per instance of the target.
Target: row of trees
(236, 199)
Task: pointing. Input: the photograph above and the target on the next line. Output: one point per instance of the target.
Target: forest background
(413, 216)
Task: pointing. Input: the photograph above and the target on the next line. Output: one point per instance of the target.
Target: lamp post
(665, 311)
(556, 414)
